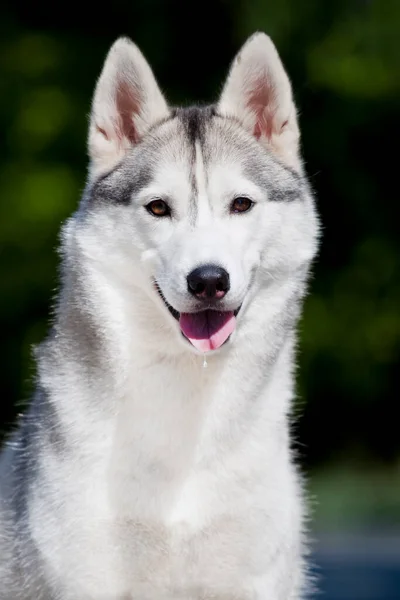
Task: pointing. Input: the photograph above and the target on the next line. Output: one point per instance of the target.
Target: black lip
(175, 313)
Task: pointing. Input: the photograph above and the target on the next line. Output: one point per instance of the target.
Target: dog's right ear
(127, 102)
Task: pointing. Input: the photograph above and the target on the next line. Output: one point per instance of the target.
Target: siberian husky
(155, 462)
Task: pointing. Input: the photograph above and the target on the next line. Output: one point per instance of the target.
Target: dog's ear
(258, 94)
(127, 101)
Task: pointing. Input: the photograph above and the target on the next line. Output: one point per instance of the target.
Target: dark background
(344, 60)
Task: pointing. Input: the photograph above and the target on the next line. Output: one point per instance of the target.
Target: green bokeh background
(344, 61)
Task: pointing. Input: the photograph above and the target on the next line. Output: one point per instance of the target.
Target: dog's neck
(114, 358)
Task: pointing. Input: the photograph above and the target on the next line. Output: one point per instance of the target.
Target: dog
(155, 461)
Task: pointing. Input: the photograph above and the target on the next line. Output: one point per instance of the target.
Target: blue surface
(362, 567)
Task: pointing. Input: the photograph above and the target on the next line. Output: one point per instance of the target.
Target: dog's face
(202, 206)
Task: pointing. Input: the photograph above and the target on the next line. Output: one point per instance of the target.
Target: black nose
(208, 281)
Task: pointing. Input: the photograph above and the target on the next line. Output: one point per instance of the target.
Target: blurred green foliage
(344, 61)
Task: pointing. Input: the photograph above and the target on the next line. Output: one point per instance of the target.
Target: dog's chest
(120, 558)
(153, 541)
(140, 521)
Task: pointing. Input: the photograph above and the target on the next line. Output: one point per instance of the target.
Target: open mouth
(207, 329)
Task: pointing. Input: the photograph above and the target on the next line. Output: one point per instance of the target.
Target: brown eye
(158, 208)
(241, 205)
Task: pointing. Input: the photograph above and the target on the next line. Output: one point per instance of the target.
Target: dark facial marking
(129, 177)
(194, 119)
(119, 185)
(282, 183)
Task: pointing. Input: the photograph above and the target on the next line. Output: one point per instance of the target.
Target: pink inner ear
(127, 104)
(102, 131)
(262, 103)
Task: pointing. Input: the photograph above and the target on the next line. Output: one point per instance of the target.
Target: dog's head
(199, 206)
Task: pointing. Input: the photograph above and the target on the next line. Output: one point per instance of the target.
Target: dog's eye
(158, 208)
(241, 205)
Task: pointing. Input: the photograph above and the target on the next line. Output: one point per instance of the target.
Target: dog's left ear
(258, 94)
(127, 102)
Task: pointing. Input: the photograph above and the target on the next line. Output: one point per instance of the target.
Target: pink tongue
(209, 329)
